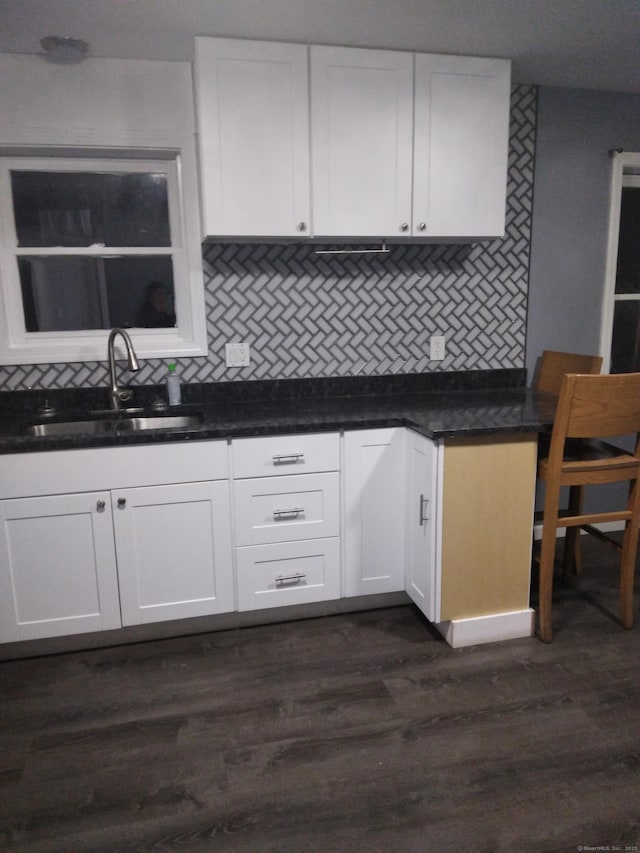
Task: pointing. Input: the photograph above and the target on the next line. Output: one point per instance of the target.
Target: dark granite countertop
(440, 405)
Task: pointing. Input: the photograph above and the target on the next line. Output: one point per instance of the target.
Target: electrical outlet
(437, 347)
(237, 355)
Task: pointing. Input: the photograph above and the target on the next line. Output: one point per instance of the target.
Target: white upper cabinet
(460, 146)
(362, 129)
(398, 156)
(398, 146)
(253, 117)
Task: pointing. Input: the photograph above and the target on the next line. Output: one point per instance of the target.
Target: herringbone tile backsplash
(310, 315)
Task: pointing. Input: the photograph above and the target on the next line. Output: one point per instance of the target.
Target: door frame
(624, 164)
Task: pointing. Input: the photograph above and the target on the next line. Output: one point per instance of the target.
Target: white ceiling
(592, 44)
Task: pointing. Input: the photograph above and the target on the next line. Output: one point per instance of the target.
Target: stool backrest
(598, 406)
(553, 365)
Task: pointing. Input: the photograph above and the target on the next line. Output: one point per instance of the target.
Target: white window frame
(625, 172)
(188, 338)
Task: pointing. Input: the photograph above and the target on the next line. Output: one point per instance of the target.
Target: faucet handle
(47, 409)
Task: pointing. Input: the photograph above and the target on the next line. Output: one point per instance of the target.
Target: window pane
(628, 266)
(140, 292)
(74, 293)
(86, 208)
(625, 347)
(59, 294)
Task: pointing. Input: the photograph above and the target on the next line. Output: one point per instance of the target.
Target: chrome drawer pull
(287, 458)
(290, 579)
(279, 514)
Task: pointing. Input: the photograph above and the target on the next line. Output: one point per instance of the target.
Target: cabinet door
(57, 567)
(361, 126)
(461, 146)
(252, 110)
(174, 551)
(374, 527)
(422, 522)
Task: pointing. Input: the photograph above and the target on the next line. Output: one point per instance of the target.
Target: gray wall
(575, 130)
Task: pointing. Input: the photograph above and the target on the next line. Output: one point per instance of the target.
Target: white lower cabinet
(57, 566)
(90, 560)
(288, 573)
(287, 524)
(374, 485)
(282, 455)
(93, 540)
(174, 551)
(281, 509)
(422, 524)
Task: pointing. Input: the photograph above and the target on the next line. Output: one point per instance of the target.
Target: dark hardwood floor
(357, 733)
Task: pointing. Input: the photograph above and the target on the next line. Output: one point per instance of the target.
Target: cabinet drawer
(282, 509)
(271, 456)
(90, 469)
(288, 573)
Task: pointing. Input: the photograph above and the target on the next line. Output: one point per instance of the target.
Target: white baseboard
(488, 629)
(606, 527)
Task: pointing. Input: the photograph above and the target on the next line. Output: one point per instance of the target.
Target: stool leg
(547, 562)
(572, 563)
(629, 553)
(627, 570)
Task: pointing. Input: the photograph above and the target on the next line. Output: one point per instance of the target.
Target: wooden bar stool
(552, 367)
(591, 407)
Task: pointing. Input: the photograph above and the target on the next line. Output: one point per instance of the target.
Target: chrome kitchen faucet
(120, 395)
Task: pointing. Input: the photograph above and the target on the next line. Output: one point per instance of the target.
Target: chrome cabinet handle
(302, 226)
(423, 510)
(279, 514)
(422, 226)
(287, 458)
(122, 502)
(404, 226)
(290, 579)
(100, 505)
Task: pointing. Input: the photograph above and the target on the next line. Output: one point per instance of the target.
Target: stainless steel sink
(158, 422)
(70, 428)
(98, 426)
